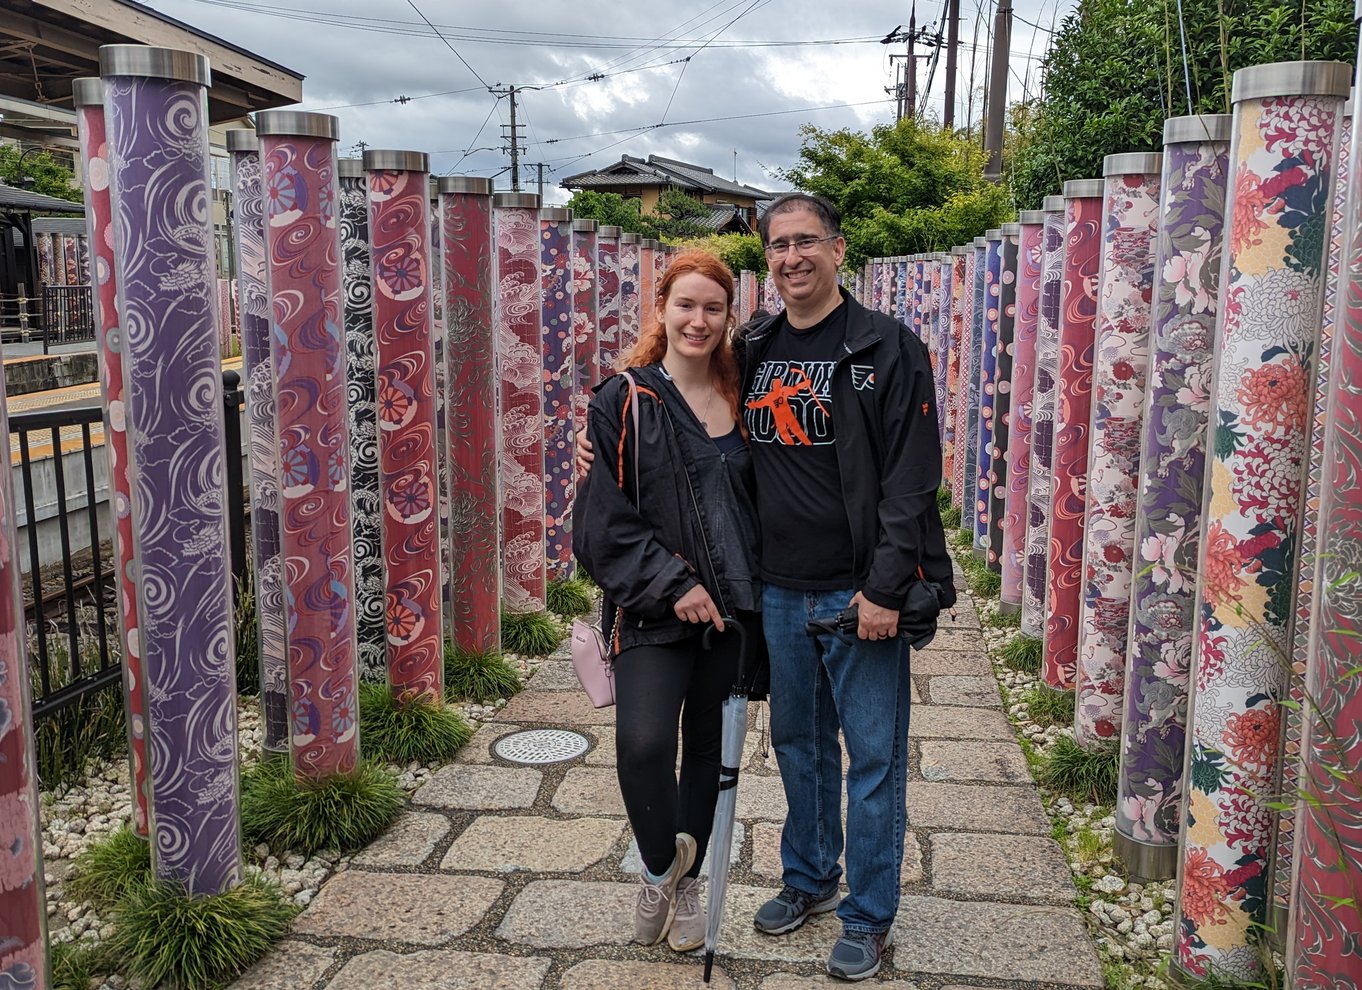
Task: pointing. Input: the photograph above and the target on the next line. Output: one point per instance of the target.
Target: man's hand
(876, 622)
(584, 454)
(696, 606)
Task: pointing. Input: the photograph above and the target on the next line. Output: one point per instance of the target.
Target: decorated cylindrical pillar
(1016, 514)
(585, 315)
(1130, 221)
(967, 412)
(941, 268)
(951, 444)
(745, 301)
(157, 120)
(1035, 588)
(1002, 398)
(647, 282)
(607, 299)
(520, 360)
(988, 386)
(977, 272)
(630, 312)
(1283, 150)
(404, 355)
(902, 289)
(308, 349)
(560, 377)
(1168, 510)
(1073, 405)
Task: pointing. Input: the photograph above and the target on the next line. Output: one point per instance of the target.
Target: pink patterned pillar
(404, 356)
(607, 299)
(1017, 516)
(303, 271)
(955, 321)
(647, 284)
(631, 312)
(585, 315)
(515, 224)
(969, 374)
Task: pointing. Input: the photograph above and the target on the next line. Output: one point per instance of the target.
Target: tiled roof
(720, 217)
(657, 171)
(31, 202)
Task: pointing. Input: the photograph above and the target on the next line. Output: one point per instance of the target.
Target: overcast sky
(767, 62)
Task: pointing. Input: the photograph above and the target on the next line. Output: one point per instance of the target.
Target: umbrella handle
(707, 641)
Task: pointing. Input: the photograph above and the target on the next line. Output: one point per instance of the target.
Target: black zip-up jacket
(888, 452)
(646, 560)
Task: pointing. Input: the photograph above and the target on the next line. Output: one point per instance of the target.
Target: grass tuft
(400, 733)
(1081, 774)
(943, 498)
(964, 540)
(76, 965)
(246, 628)
(998, 619)
(108, 867)
(1023, 653)
(984, 582)
(344, 812)
(531, 634)
(569, 597)
(479, 676)
(1050, 707)
(163, 938)
(950, 517)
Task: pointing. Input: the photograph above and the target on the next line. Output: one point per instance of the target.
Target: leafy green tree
(677, 215)
(739, 251)
(609, 208)
(50, 177)
(1114, 72)
(903, 188)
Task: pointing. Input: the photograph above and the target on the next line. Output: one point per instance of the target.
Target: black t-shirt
(805, 534)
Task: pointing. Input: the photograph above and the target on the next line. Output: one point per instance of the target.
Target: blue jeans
(819, 685)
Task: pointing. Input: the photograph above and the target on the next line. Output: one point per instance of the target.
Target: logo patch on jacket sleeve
(863, 377)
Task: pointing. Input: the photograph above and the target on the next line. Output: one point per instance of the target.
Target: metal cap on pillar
(1262, 82)
(608, 230)
(1010, 229)
(388, 160)
(154, 63)
(1083, 188)
(515, 201)
(556, 213)
(630, 238)
(1052, 204)
(88, 91)
(994, 234)
(1133, 163)
(242, 139)
(472, 185)
(981, 242)
(1199, 127)
(960, 250)
(350, 168)
(297, 123)
(585, 226)
(1031, 216)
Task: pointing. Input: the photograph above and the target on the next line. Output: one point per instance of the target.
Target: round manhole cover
(541, 746)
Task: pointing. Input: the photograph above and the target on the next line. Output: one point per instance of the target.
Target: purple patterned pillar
(520, 363)
(1130, 221)
(987, 385)
(1168, 510)
(471, 414)
(952, 445)
(156, 113)
(560, 388)
(1036, 588)
(1017, 510)
(308, 350)
(630, 312)
(1002, 398)
(585, 316)
(1283, 149)
(409, 473)
(608, 299)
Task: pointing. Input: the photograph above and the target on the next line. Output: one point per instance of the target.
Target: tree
(738, 251)
(904, 188)
(50, 177)
(677, 215)
(609, 208)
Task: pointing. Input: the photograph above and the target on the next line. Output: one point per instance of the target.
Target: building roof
(22, 201)
(67, 226)
(657, 171)
(722, 217)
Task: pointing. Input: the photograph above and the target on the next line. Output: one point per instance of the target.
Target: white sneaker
(656, 904)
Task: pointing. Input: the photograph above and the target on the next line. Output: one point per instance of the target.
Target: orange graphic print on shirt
(790, 403)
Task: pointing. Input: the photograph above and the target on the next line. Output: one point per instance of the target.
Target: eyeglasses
(804, 246)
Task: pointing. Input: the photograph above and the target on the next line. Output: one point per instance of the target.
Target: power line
(465, 62)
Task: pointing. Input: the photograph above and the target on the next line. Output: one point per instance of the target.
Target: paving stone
(955, 722)
(954, 689)
(589, 791)
(437, 970)
(603, 974)
(788, 981)
(422, 909)
(479, 748)
(948, 759)
(761, 797)
(602, 754)
(977, 807)
(1029, 867)
(811, 942)
(559, 708)
(540, 845)
(766, 854)
(963, 640)
(475, 788)
(631, 862)
(931, 662)
(408, 841)
(571, 914)
(998, 941)
(554, 676)
(291, 964)
(966, 618)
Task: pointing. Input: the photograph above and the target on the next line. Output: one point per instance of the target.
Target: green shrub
(76, 965)
(400, 733)
(1050, 707)
(92, 727)
(1084, 775)
(569, 597)
(950, 518)
(246, 625)
(984, 582)
(1023, 653)
(344, 811)
(999, 619)
(531, 634)
(479, 676)
(108, 867)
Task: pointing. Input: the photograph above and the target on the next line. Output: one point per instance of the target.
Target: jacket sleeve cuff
(892, 602)
(690, 581)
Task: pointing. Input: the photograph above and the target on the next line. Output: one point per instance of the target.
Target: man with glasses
(840, 408)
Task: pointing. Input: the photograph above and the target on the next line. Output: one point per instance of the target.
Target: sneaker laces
(688, 898)
(651, 895)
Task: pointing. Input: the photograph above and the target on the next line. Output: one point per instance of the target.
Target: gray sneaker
(688, 927)
(791, 908)
(857, 955)
(656, 904)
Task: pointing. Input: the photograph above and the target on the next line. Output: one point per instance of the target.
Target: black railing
(68, 314)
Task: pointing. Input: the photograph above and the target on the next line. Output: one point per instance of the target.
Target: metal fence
(68, 314)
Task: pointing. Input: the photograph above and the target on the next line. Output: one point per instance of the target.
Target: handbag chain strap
(633, 416)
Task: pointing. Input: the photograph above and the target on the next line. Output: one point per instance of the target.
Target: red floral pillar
(607, 299)
(647, 284)
(585, 315)
(955, 320)
(1017, 516)
(631, 312)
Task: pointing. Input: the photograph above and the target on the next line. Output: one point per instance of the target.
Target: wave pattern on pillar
(1282, 154)
(1029, 256)
(158, 155)
(471, 404)
(1073, 404)
(404, 352)
(520, 360)
(89, 99)
(1168, 508)
(302, 247)
(1130, 219)
(1002, 397)
(556, 336)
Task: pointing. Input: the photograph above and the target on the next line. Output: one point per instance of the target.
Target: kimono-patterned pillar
(1035, 588)
(157, 118)
(745, 302)
(1017, 512)
(45, 269)
(1073, 420)
(88, 96)
(1168, 509)
(951, 443)
(471, 414)
(1002, 400)
(1130, 220)
(607, 300)
(749, 279)
(560, 377)
(647, 283)
(585, 316)
(71, 256)
(901, 293)
(630, 312)
(308, 349)
(967, 423)
(520, 362)
(942, 267)
(361, 369)
(409, 473)
(1283, 149)
(988, 371)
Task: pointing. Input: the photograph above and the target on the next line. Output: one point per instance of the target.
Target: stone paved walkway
(501, 877)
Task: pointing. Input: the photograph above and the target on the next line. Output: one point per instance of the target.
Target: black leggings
(654, 686)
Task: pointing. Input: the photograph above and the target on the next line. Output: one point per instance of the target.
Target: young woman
(674, 547)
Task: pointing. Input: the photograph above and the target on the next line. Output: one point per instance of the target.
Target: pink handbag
(591, 658)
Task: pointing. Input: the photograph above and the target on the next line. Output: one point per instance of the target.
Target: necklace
(704, 416)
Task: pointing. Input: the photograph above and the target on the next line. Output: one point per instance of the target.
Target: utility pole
(541, 181)
(512, 134)
(997, 96)
(952, 47)
(910, 98)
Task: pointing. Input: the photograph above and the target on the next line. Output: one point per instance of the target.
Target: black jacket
(888, 452)
(645, 560)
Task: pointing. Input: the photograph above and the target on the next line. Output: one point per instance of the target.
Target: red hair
(652, 338)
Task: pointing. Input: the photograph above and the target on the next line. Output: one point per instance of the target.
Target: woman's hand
(584, 453)
(696, 606)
